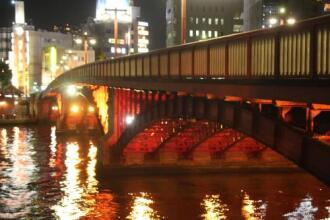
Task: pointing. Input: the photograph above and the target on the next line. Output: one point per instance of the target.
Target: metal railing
(301, 51)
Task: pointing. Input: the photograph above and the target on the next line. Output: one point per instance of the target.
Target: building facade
(205, 19)
(5, 43)
(271, 13)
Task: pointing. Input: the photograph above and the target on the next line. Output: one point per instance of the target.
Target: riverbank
(18, 121)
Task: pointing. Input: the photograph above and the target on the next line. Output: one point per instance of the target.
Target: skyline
(44, 15)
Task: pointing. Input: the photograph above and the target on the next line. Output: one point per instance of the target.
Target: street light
(291, 21)
(85, 41)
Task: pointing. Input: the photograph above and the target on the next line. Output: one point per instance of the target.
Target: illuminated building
(140, 37)
(103, 28)
(58, 60)
(205, 19)
(26, 55)
(271, 13)
(5, 43)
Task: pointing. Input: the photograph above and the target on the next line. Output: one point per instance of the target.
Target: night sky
(44, 14)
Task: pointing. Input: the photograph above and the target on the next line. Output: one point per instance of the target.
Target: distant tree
(5, 75)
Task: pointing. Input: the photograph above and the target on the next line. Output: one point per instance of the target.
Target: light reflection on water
(142, 207)
(253, 210)
(44, 175)
(214, 208)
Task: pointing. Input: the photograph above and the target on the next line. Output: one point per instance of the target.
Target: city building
(271, 13)
(205, 19)
(35, 56)
(5, 43)
(117, 18)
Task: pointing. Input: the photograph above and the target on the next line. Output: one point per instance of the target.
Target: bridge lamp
(74, 109)
(282, 10)
(129, 119)
(291, 21)
(72, 90)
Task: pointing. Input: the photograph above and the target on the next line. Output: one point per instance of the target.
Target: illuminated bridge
(202, 101)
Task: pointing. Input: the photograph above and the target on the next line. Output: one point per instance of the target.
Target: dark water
(47, 177)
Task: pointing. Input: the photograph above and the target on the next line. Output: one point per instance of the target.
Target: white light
(273, 21)
(282, 10)
(291, 21)
(19, 31)
(71, 90)
(55, 108)
(91, 109)
(13, 2)
(129, 119)
(92, 41)
(78, 41)
(74, 109)
(16, 103)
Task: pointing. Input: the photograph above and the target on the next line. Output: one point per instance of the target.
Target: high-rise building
(116, 16)
(5, 43)
(270, 13)
(205, 19)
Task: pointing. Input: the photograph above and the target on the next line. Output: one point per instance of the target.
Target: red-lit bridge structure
(203, 100)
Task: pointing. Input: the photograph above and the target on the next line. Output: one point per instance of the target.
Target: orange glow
(253, 210)
(214, 208)
(91, 109)
(74, 109)
(3, 104)
(55, 108)
(142, 209)
(101, 96)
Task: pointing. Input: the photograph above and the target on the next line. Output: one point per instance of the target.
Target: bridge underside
(198, 142)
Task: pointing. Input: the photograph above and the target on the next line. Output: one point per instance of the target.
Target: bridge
(198, 101)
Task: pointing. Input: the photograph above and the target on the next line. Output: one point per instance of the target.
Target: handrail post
(277, 51)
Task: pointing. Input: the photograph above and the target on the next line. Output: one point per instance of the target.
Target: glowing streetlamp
(291, 21)
(129, 119)
(72, 90)
(85, 41)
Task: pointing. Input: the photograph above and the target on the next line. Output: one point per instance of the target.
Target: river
(43, 176)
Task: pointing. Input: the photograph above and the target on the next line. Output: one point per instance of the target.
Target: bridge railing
(301, 51)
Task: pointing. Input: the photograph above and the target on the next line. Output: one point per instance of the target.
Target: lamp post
(183, 21)
(85, 41)
(115, 25)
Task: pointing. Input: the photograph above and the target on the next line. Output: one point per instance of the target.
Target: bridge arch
(290, 142)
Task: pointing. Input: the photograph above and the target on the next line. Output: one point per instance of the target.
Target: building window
(210, 34)
(197, 33)
(216, 21)
(222, 21)
(197, 20)
(191, 20)
(216, 34)
(204, 20)
(191, 33)
(237, 28)
(210, 21)
(203, 34)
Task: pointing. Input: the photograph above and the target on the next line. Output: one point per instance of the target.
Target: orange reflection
(304, 211)
(101, 96)
(68, 207)
(253, 210)
(141, 208)
(214, 208)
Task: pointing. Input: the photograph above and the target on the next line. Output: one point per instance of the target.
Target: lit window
(216, 33)
(197, 33)
(203, 34)
(191, 33)
(210, 33)
(204, 20)
(197, 20)
(191, 20)
(222, 21)
(210, 21)
(216, 21)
